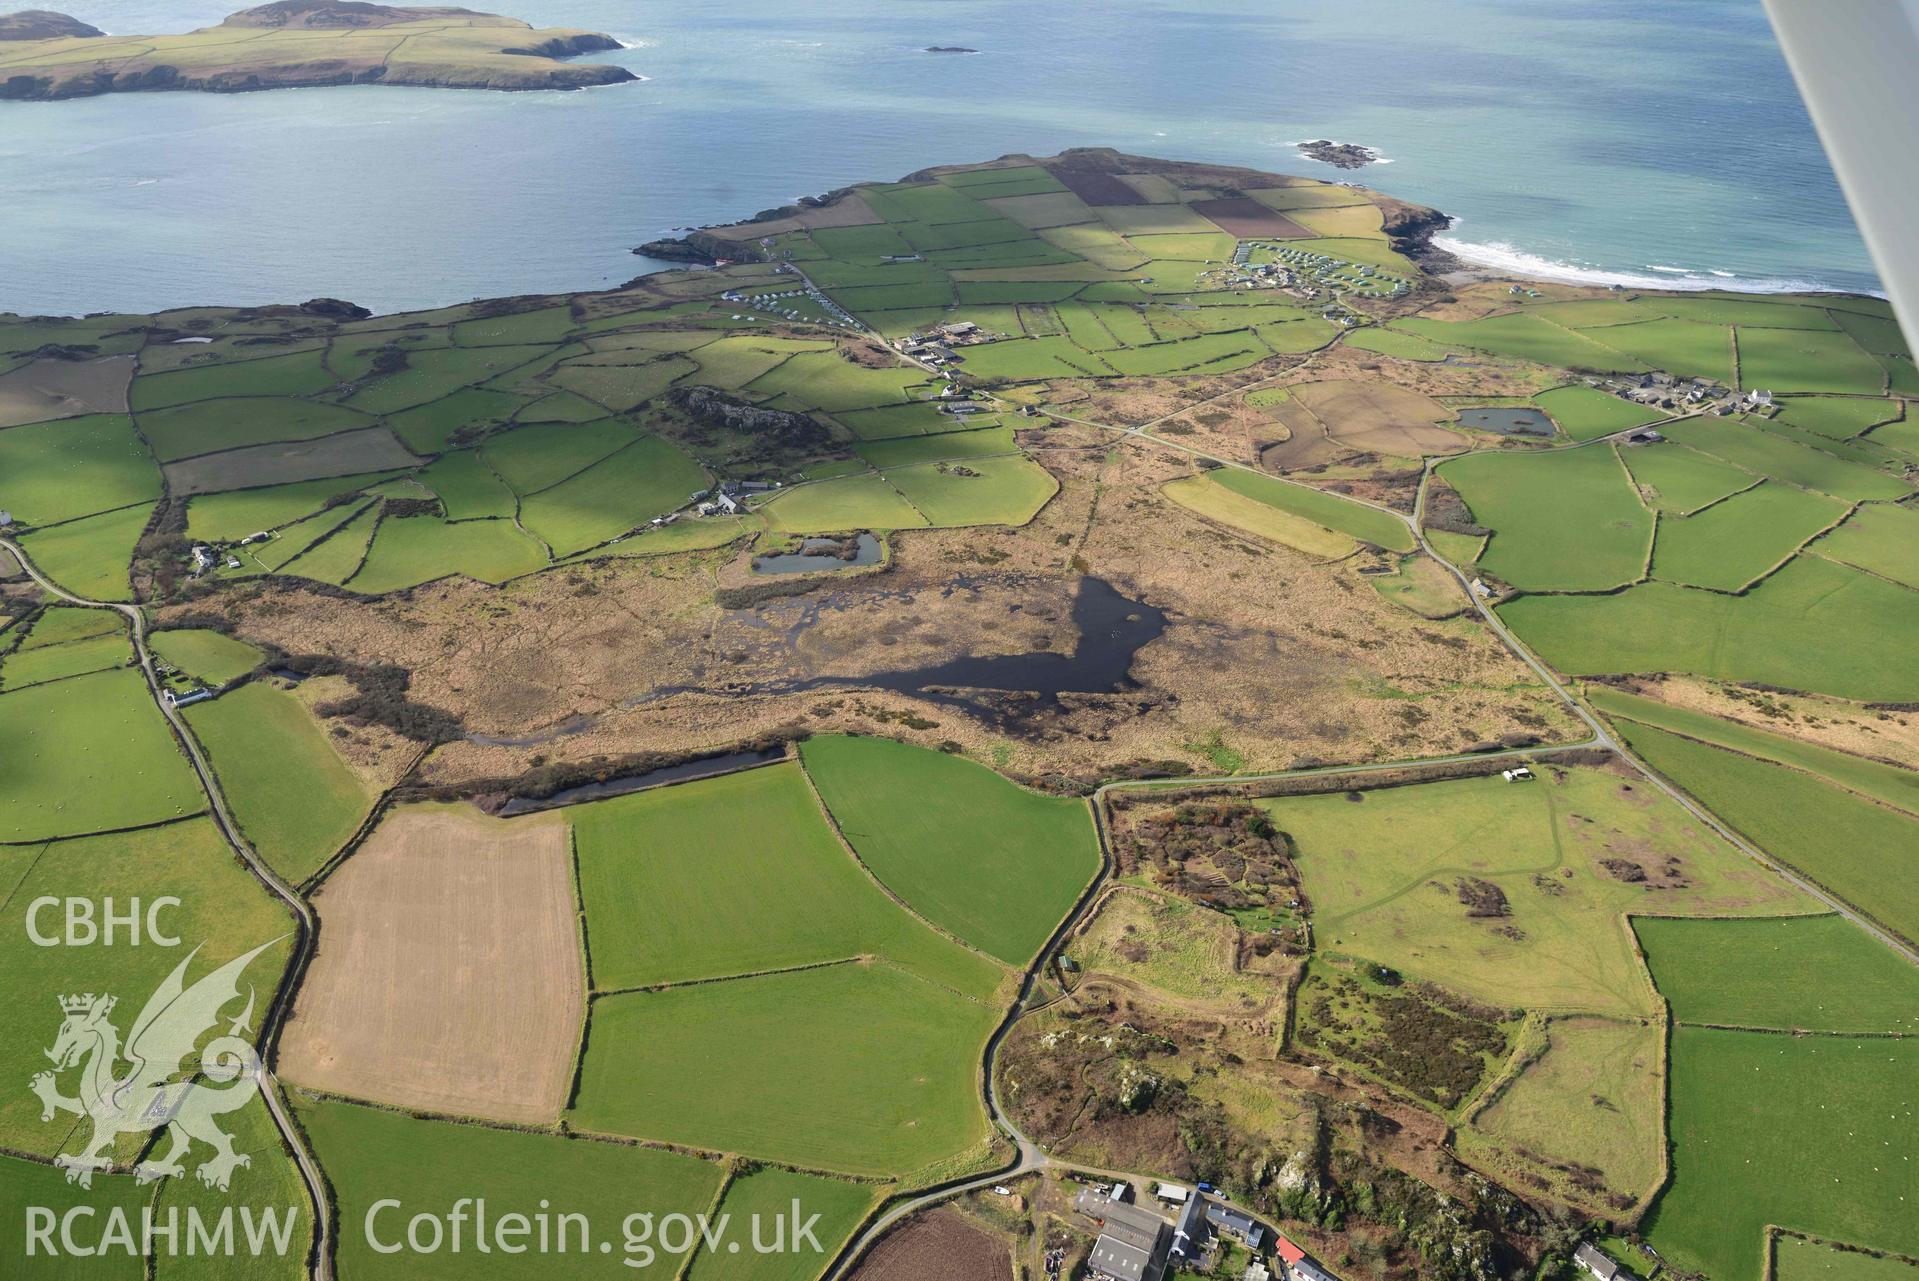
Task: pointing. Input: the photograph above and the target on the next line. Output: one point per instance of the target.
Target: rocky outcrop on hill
(44, 24)
(783, 428)
(442, 48)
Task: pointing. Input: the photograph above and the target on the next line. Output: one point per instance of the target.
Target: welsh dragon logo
(166, 1073)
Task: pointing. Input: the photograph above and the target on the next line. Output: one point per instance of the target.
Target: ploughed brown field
(942, 1245)
(449, 975)
(1247, 219)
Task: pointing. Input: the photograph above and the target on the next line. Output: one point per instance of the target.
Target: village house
(1299, 1266)
(1133, 1241)
(1236, 1223)
(1599, 1265)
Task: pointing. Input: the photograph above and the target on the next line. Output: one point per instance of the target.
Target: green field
(1860, 851)
(764, 1197)
(646, 479)
(1205, 495)
(75, 467)
(851, 502)
(1567, 521)
(1839, 417)
(468, 488)
(231, 422)
(408, 550)
(34, 664)
(1797, 1259)
(1880, 538)
(1814, 626)
(1586, 413)
(88, 754)
(1592, 1098)
(232, 516)
(738, 875)
(1811, 973)
(1837, 1112)
(1771, 454)
(998, 491)
(532, 458)
(89, 557)
(1673, 478)
(1889, 783)
(1734, 542)
(993, 863)
(29, 1183)
(296, 800)
(222, 910)
(372, 1155)
(268, 1185)
(1383, 877)
(204, 654)
(1805, 360)
(862, 1068)
(1356, 520)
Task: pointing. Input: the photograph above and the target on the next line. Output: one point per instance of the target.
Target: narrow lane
(322, 1261)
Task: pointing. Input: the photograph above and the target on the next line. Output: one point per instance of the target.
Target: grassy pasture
(995, 864)
(1838, 1112)
(1807, 360)
(1838, 417)
(73, 658)
(1878, 537)
(1397, 344)
(269, 1182)
(429, 428)
(980, 443)
(89, 557)
(1007, 490)
(1382, 875)
(468, 488)
(767, 1195)
(1586, 413)
(1808, 973)
(204, 654)
(1188, 950)
(1527, 337)
(231, 422)
(1567, 521)
(737, 875)
(824, 380)
(75, 467)
(1855, 849)
(850, 502)
(337, 556)
(532, 458)
(1673, 478)
(233, 515)
(1024, 359)
(862, 1068)
(1356, 520)
(1592, 1098)
(646, 479)
(1686, 348)
(409, 550)
(1774, 455)
(62, 623)
(372, 1155)
(222, 910)
(1420, 584)
(623, 387)
(1206, 496)
(1814, 625)
(1797, 1259)
(544, 325)
(1889, 783)
(30, 1183)
(296, 801)
(1732, 543)
(430, 375)
(300, 373)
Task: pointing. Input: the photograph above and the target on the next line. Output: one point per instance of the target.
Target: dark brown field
(1247, 219)
(941, 1245)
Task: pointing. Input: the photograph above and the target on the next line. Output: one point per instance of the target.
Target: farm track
(321, 1258)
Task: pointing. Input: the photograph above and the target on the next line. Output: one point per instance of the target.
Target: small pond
(1521, 421)
(820, 555)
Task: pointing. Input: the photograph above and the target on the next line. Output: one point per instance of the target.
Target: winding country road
(322, 1259)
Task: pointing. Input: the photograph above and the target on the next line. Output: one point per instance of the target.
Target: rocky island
(299, 43)
(1340, 155)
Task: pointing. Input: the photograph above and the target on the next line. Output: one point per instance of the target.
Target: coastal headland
(299, 44)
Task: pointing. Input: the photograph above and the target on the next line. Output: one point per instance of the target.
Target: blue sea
(1631, 140)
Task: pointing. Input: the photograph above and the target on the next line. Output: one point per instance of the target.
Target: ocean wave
(1509, 258)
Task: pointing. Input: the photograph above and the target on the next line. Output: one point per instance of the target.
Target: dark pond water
(1112, 629)
(814, 557)
(1525, 421)
(571, 725)
(705, 767)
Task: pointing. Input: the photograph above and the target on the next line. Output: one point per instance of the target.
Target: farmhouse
(1133, 1241)
(1517, 774)
(1236, 1223)
(1599, 1264)
(1298, 1266)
